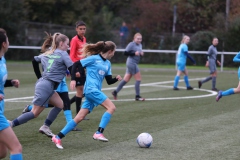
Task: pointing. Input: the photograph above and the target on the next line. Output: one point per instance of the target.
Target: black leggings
(66, 101)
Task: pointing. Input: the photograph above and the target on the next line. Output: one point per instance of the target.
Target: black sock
(78, 104)
(73, 99)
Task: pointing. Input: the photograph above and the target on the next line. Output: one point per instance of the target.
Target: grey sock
(214, 82)
(52, 115)
(206, 79)
(23, 118)
(121, 84)
(137, 87)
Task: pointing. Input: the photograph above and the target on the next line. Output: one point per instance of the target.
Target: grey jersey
(212, 53)
(132, 46)
(54, 65)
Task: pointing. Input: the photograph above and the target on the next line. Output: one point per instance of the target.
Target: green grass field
(185, 125)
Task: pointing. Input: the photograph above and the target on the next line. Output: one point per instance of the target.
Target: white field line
(212, 93)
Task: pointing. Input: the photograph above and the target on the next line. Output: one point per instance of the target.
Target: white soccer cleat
(46, 130)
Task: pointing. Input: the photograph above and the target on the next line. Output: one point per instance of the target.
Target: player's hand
(141, 53)
(78, 74)
(137, 53)
(1, 97)
(207, 64)
(219, 63)
(119, 78)
(72, 85)
(15, 83)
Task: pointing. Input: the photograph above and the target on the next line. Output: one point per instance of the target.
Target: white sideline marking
(212, 93)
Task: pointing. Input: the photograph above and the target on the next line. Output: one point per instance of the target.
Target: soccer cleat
(57, 142)
(219, 96)
(175, 88)
(139, 98)
(114, 93)
(26, 109)
(100, 137)
(46, 130)
(199, 84)
(189, 88)
(215, 89)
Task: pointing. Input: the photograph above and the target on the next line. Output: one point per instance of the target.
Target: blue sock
(228, 92)
(68, 115)
(105, 120)
(176, 80)
(16, 156)
(69, 126)
(30, 107)
(186, 81)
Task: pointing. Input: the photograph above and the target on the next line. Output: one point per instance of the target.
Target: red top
(75, 46)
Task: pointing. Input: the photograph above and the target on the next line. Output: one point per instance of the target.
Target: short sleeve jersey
(132, 46)
(54, 65)
(212, 53)
(75, 48)
(3, 78)
(97, 68)
(181, 56)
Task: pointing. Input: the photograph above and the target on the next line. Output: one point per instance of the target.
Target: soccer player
(134, 52)
(211, 64)
(182, 56)
(98, 67)
(231, 90)
(76, 45)
(55, 62)
(8, 139)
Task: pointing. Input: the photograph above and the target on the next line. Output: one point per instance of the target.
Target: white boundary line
(212, 93)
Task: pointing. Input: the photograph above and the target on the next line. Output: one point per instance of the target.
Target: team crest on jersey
(101, 72)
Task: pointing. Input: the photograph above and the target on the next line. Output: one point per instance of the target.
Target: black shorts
(80, 80)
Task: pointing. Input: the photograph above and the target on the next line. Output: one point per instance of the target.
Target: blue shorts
(93, 99)
(3, 122)
(62, 87)
(181, 66)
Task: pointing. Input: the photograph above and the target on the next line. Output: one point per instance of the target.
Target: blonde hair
(99, 47)
(52, 42)
(183, 39)
(137, 34)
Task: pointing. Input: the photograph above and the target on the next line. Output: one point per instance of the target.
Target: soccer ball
(144, 140)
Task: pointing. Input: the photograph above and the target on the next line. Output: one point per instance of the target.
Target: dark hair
(3, 37)
(47, 43)
(99, 47)
(80, 23)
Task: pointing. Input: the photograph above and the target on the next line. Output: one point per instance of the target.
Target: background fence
(150, 56)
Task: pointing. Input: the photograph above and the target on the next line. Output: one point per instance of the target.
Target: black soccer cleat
(189, 88)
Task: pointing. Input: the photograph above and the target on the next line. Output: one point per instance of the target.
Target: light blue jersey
(237, 59)
(97, 69)
(3, 77)
(181, 56)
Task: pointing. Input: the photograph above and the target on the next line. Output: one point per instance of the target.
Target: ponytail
(99, 47)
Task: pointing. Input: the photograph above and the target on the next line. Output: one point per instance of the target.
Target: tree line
(200, 19)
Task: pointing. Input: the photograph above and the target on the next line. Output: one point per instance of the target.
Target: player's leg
(180, 68)
(229, 91)
(69, 127)
(56, 101)
(110, 109)
(125, 80)
(212, 69)
(185, 72)
(138, 78)
(8, 140)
